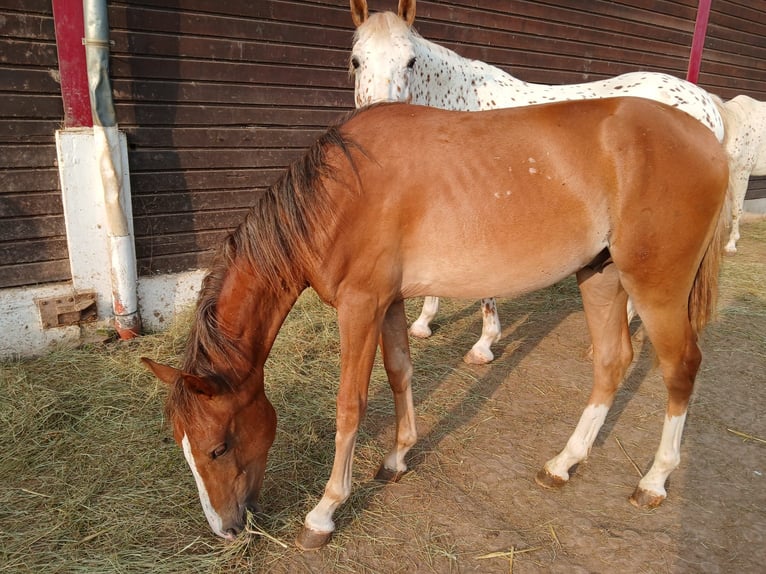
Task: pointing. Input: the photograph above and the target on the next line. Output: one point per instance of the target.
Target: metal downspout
(121, 246)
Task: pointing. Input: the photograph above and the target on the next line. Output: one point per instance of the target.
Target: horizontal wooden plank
(34, 273)
(33, 251)
(133, 44)
(27, 156)
(214, 137)
(197, 221)
(228, 75)
(175, 263)
(182, 204)
(35, 80)
(26, 131)
(153, 246)
(30, 204)
(28, 53)
(23, 228)
(211, 158)
(209, 24)
(230, 94)
(148, 183)
(328, 12)
(33, 106)
(27, 26)
(196, 115)
(33, 181)
(27, 6)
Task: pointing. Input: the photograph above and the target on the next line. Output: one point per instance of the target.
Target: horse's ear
(164, 373)
(170, 375)
(407, 11)
(359, 12)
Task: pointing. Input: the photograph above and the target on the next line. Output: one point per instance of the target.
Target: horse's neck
(250, 315)
(445, 79)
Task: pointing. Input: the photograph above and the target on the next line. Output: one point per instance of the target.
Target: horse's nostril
(232, 533)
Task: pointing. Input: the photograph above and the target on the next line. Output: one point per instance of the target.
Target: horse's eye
(220, 450)
(355, 62)
(411, 63)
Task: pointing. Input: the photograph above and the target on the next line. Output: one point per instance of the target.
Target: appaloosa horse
(390, 61)
(402, 201)
(745, 142)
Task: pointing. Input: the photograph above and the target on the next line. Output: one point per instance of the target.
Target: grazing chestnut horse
(390, 61)
(403, 200)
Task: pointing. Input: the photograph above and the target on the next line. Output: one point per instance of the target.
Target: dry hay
(91, 480)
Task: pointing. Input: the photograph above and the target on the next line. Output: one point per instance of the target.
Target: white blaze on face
(212, 516)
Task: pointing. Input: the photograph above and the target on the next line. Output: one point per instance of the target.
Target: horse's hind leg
(737, 191)
(395, 349)
(480, 353)
(675, 344)
(420, 328)
(605, 302)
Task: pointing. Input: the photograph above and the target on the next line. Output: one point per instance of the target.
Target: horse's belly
(480, 272)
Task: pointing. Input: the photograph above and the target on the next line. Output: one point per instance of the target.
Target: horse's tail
(703, 298)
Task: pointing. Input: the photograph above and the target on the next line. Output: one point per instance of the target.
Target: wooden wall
(33, 245)
(217, 97)
(215, 104)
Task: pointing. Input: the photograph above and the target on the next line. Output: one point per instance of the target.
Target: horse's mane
(278, 241)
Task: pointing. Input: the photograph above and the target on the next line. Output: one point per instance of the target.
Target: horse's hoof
(548, 480)
(387, 475)
(646, 499)
(474, 357)
(419, 331)
(312, 539)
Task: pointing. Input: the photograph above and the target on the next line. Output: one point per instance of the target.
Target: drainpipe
(127, 320)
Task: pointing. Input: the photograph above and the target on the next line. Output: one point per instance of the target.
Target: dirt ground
(470, 503)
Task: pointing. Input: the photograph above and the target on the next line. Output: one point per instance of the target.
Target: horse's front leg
(359, 326)
(480, 353)
(395, 348)
(605, 302)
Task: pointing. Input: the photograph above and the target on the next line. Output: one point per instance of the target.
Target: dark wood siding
(33, 245)
(216, 100)
(217, 97)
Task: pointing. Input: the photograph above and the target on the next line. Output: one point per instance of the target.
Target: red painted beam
(698, 42)
(70, 30)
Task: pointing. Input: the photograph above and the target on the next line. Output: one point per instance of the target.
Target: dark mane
(279, 240)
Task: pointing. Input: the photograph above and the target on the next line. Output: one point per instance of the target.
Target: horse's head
(383, 56)
(225, 436)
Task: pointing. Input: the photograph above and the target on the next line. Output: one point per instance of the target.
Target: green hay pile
(91, 480)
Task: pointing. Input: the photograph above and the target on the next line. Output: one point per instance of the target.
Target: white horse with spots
(745, 122)
(392, 62)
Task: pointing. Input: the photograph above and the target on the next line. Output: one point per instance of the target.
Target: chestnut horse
(400, 201)
(390, 61)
